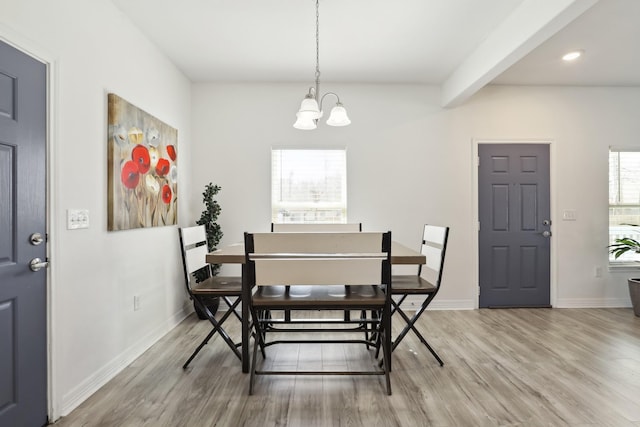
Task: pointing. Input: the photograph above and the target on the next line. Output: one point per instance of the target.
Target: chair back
(434, 246)
(193, 243)
(310, 228)
(319, 258)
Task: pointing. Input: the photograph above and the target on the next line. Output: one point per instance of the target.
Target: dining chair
(294, 227)
(426, 283)
(341, 271)
(193, 245)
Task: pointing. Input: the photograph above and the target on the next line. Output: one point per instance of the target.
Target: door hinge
(478, 225)
(478, 161)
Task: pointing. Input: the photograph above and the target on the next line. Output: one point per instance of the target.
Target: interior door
(515, 227)
(23, 296)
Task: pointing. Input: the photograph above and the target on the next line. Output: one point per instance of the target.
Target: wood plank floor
(515, 367)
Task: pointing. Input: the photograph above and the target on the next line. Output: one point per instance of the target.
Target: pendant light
(310, 111)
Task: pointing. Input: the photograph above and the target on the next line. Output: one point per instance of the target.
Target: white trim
(622, 148)
(475, 142)
(617, 266)
(593, 303)
(35, 51)
(412, 302)
(308, 147)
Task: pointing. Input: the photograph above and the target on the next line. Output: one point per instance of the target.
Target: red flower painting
(162, 168)
(142, 185)
(140, 155)
(171, 151)
(130, 175)
(166, 194)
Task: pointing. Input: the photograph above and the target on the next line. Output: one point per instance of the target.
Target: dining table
(235, 254)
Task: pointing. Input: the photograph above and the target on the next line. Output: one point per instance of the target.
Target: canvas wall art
(142, 168)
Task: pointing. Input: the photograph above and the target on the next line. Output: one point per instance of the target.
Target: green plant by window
(209, 217)
(623, 245)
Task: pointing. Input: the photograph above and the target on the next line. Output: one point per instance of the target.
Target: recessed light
(572, 56)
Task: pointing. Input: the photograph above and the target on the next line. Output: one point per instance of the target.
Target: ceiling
(461, 45)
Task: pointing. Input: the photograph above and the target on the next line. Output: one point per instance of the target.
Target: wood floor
(516, 367)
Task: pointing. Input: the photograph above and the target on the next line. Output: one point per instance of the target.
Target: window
(624, 198)
(309, 185)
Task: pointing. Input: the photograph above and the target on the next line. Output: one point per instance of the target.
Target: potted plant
(214, 233)
(622, 246)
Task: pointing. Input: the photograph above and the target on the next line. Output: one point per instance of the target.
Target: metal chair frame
(193, 245)
(425, 288)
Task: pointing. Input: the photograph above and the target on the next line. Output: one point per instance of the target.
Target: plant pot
(634, 292)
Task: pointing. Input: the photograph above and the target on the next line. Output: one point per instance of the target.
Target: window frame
(301, 206)
(631, 261)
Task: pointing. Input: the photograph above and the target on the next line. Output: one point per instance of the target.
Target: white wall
(411, 162)
(95, 274)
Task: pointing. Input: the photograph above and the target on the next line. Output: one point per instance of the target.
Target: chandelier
(310, 112)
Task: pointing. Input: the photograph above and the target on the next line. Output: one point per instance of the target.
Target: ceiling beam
(532, 23)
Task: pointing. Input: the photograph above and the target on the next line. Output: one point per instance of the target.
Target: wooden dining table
(235, 254)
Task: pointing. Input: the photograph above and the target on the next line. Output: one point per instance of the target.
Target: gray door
(515, 230)
(23, 339)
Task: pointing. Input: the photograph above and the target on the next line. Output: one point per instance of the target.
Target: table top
(234, 254)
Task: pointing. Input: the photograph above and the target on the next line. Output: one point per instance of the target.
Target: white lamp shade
(310, 106)
(338, 116)
(305, 121)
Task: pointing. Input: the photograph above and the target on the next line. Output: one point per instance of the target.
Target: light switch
(569, 215)
(77, 218)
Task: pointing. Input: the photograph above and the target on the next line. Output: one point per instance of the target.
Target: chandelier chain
(317, 46)
(311, 107)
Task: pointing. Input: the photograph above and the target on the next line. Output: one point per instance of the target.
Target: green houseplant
(622, 246)
(208, 218)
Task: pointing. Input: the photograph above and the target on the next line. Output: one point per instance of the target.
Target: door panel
(7, 159)
(513, 202)
(23, 321)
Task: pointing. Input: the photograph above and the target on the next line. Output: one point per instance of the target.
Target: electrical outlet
(136, 303)
(598, 272)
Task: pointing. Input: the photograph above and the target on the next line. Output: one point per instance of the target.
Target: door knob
(36, 239)
(36, 264)
(546, 233)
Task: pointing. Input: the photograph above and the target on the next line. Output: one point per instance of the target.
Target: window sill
(624, 266)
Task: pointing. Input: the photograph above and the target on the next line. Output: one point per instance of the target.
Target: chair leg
(197, 350)
(364, 325)
(395, 304)
(217, 327)
(262, 332)
(376, 336)
(253, 364)
(411, 326)
(225, 336)
(257, 342)
(232, 306)
(386, 330)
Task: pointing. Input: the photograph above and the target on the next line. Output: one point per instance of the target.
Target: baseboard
(84, 390)
(593, 303)
(412, 302)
